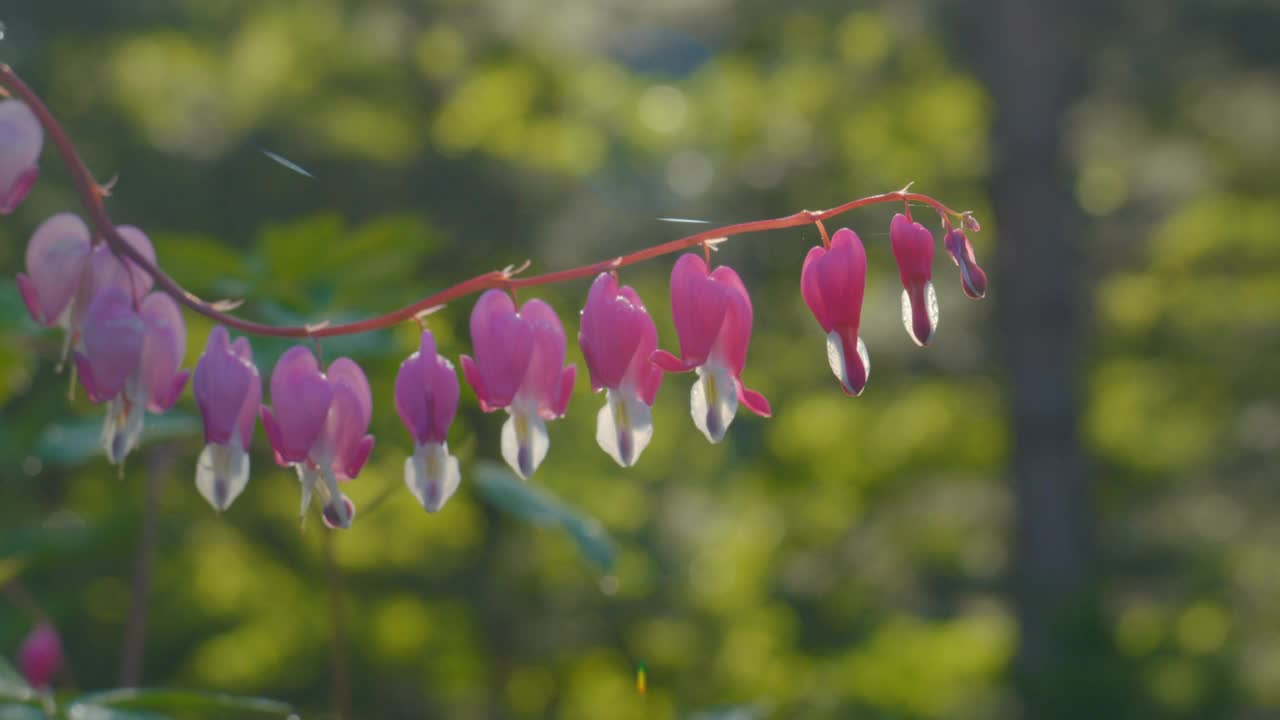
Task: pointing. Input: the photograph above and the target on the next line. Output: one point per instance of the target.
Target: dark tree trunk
(1029, 59)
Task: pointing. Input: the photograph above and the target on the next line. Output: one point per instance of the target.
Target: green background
(848, 558)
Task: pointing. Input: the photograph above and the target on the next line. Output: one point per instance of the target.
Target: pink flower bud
(832, 282)
(318, 423)
(712, 314)
(229, 394)
(972, 278)
(519, 366)
(21, 139)
(427, 399)
(913, 248)
(56, 258)
(617, 339)
(40, 656)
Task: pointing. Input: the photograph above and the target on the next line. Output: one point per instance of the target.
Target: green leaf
(12, 685)
(538, 507)
(737, 712)
(21, 712)
(182, 703)
(89, 711)
(74, 442)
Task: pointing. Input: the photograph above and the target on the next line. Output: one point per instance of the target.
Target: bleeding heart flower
(21, 139)
(427, 400)
(103, 269)
(913, 248)
(40, 656)
(153, 381)
(712, 314)
(56, 258)
(617, 339)
(972, 278)
(832, 282)
(519, 366)
(229, 394)
(318, 424)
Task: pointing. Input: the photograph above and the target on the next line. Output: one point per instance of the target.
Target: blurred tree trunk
(1029, 62)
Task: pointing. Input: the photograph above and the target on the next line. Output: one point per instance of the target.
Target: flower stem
(92, 194)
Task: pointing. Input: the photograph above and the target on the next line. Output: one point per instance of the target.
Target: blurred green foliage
(846, 558)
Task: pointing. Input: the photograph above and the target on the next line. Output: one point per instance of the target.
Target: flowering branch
(93, 193)
(95, 281)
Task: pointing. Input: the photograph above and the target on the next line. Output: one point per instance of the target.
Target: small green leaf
(538, 507)
(21, 712)
(12, 684)
(184, 703)
(74, 442)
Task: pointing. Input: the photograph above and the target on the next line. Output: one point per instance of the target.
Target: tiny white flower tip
(432, 475)
(713, 401)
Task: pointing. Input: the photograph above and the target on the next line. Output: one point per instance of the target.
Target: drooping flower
(913, 249)
(712, 314)
(153, 381)
(56, 259)
(229, 394)
(617, 339)
(112, 344)
(519, 366)
(318, 423)
(832, 282)
(972, 278)
(40, 656)
(427, 399)
(21, 139)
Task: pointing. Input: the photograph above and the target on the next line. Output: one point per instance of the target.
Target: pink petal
(735, 333)
(811, 288)
(274, 436)
(345, 427)
(162, 350)
(913, 248)
(344, 371)
(753, 401)
(471, 372)
(612, 330)
(427, 393)
(21, 139)
(542, 379)
(113, 341)
(503, 344)
(698, 307)
(670, 363)
(40, 656)
(56, 258)
(222, 384)
(972, 277)
(561, 402)
(300, 395)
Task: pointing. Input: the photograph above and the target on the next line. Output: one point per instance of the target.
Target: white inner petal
(713, 401)
(624, 426)
(835, 358)
(307, 477)
(222, 472)
(122, 428)
(432, 475)
(524, 441)
(931, 306)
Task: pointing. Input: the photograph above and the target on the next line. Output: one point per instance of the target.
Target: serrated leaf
(535, 505)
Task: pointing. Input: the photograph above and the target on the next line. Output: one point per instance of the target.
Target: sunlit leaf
(186, 703)
(535, 505)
